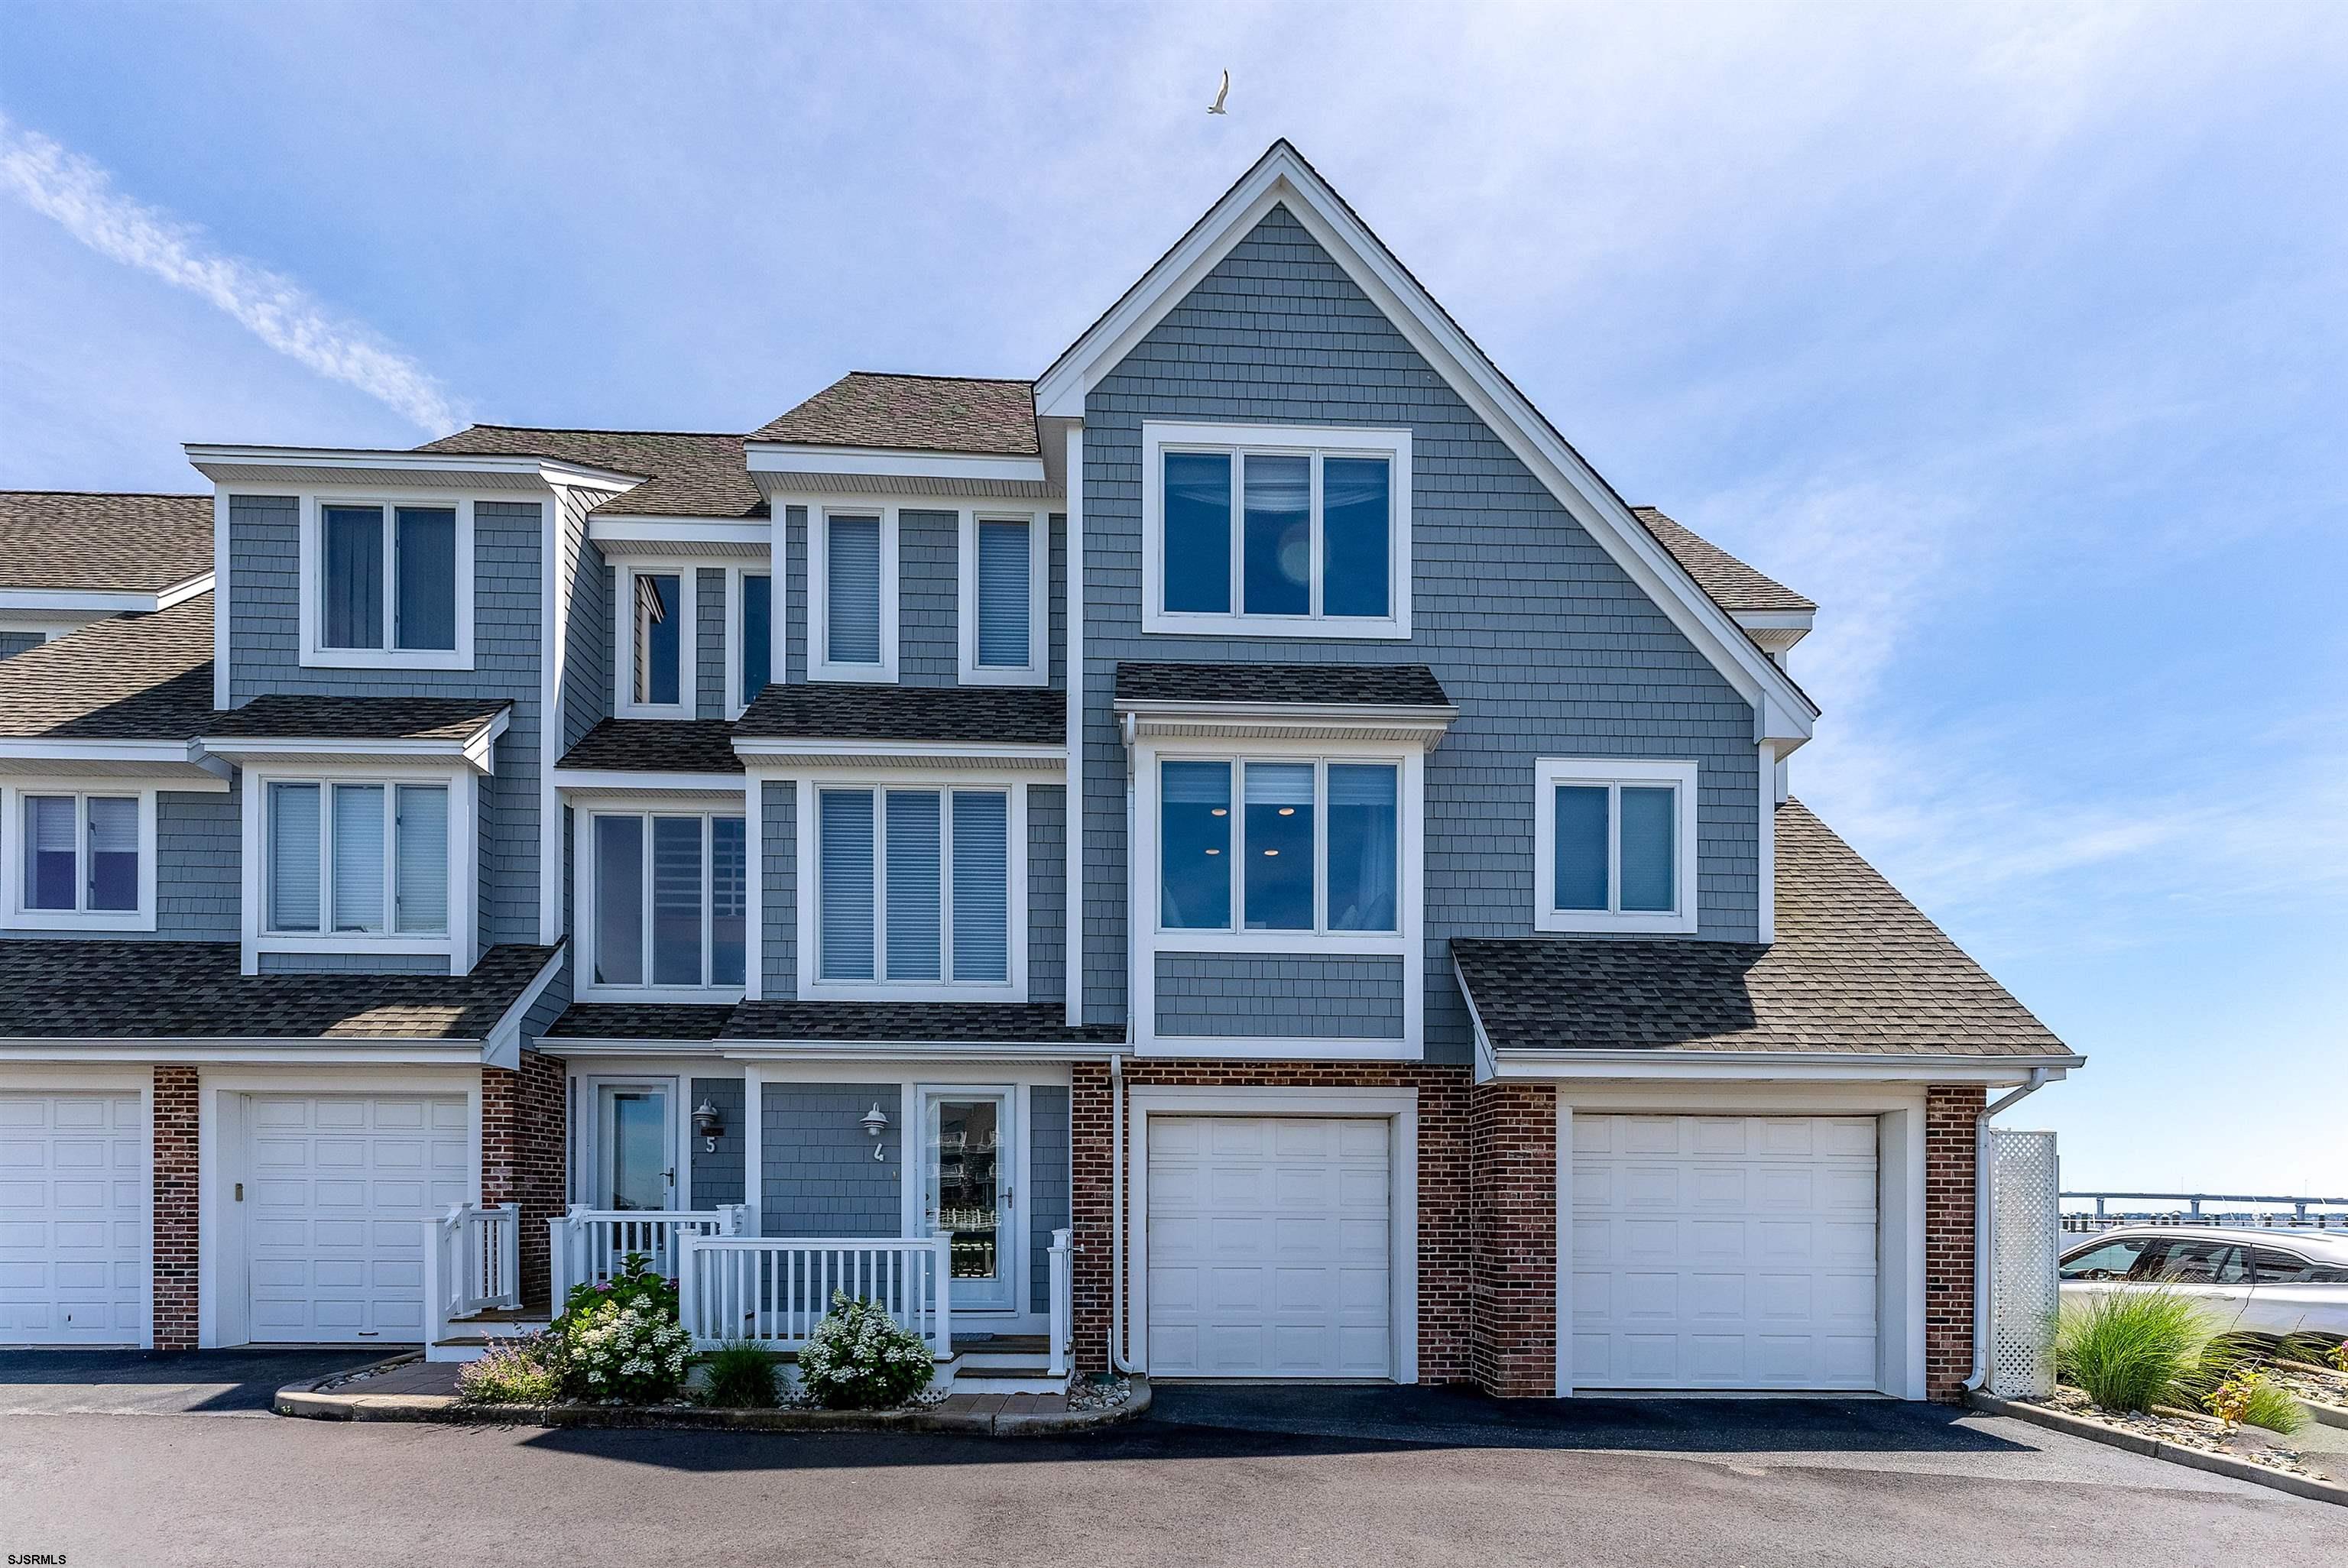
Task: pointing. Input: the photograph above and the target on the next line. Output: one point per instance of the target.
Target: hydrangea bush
(621, 1338)
(858, 1359)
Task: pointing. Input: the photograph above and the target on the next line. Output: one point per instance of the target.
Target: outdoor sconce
(875, 1124)
(708, 1126)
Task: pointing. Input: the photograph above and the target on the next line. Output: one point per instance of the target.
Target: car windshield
(2113, 1259)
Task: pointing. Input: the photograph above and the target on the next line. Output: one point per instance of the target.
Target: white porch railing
(588, 1245)
(472, 1263)
(1063, 1302)
(776, 1289)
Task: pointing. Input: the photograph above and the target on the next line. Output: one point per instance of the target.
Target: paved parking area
(1315, 1476)
(136, 1383)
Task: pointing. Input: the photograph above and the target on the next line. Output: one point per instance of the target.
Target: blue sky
(2013, 335)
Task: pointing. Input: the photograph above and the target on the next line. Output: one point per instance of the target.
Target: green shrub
(741, 1376)
(620, 1339)
(635, 1286)
(522, 1371)
(858, 1359)
(2130, 1350)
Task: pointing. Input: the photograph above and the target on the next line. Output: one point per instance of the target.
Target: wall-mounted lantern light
(708, 1126)
(875, 1124)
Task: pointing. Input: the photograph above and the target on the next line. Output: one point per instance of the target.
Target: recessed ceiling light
(1272, 851)
(1288, 811)
(1214, 852)
(1221, 812)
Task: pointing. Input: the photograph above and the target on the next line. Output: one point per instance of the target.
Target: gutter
(2039, 1077)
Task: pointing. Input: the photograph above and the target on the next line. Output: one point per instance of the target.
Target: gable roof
(1283, 178)
(914, 414)
(103, 542)
(128, 677)
(687, 472)
(1734, 586)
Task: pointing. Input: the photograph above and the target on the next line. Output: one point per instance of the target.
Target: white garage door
(337, 1192)
(73, 1219)
(1269, 1248)
(1724, 1252)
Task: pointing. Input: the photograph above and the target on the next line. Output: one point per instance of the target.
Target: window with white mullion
(1280, 844)
(1614, 846)
(912, 886)
(365, 859)
(669, 900)
(80, 853)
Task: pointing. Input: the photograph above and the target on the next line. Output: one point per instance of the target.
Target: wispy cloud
(81, 197)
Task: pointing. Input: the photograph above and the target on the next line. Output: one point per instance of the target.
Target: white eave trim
(304, 1052)
(1281, 178)
(782, 459)
(503, 1048)
(769, 753)
(623, 536)
(237, 465)
(913, 1050)
(1157, 719)
(1774, 1066)
(177, 766)
(104, 601)
(478, 751)
(646, 781)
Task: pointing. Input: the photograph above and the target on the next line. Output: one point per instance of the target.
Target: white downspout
(1116, 1357)
(1982, 1221)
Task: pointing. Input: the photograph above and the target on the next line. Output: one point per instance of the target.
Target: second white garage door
(339, 1188)
(1724, 1252)
(1269, 1248)
(73, 1218)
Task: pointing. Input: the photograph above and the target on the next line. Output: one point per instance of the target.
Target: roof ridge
(590, 430)
(937, 375)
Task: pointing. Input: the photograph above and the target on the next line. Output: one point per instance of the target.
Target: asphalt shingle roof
(292, 715)
(1733, 585)
(687, 474)
(915, 413)
(1381, 685)
(103, 541)
(883, 1023)
(1022, 715)
(656, 745)
(1856, 969)
(180, 990)
(642, 1020)
(128, 677)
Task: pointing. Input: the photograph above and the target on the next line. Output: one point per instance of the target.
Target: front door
(635, 1145)
(967, 1191)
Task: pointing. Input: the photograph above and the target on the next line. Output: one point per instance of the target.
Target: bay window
(362, 859)
(388, 582)
(1317, 845)
(669, 897)
(915, 887)
(1614, 846)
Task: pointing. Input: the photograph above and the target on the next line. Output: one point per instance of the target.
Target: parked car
(2267, 1282)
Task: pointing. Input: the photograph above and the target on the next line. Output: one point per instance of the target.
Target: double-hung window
(1614, 846)
(82, 860)
(1003, 609)
(657, 656)
(1266, 845)
(1273, 530)
(358, 859)
(917, 887)
(388, 582)
(670, 896)
(852, 592)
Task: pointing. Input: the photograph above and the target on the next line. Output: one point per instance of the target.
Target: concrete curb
(2153, 1448)
(346, 1404)
(2325, 1415)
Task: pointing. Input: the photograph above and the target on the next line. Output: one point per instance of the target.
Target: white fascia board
(479, 751)
(1281, 178)
(323, 1052)
(624, 781)
(913, 1050)
(776, 751)
(617, 534)
(104, 601)
(1159, 720)
(503, 1048)
(792, 458)
(235, 466)
(1773, 1066)
(182, 764)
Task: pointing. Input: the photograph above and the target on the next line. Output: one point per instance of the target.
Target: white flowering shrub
(627, 1350)
(858, 1359)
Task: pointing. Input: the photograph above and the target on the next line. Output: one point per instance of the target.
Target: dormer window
(1276, 531)
(852, 592)
(658, 653)
(388, 582)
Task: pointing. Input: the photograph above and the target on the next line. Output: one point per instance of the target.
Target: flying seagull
(1220, 94)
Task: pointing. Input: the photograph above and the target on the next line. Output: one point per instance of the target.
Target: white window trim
(12, 857)
(624, 639)
(736, 699)
(463, 867)
(586, 988)
(1550, 772)
(820, 665)
(1318, 441)
(1037, 669)
(807, 969)
(314, 654)
(1409, 943)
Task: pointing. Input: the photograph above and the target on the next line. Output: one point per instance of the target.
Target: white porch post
(754, 1147)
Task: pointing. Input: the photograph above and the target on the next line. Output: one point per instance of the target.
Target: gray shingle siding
(264, 656)
(587, 631)
(780, 894)
(353, 964)
(199, 891)
(1308, 996)
(1546, 645)
(795, 593)
(1047, 1186)
(1048, 887)
(816, 1173)
(718, 1175)
(927, 544)
(709, 650)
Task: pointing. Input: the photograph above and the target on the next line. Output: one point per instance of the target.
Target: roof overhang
(316, 465)
(621, 536)
(102, 601)
(767, 754)
(796, 467)
(640, 781)
(180, 765)
(916, 1050)
(477, 751)
(1763, 1066)
(1282, 179)
(1775, 629)
(1158, 719)
(328, 1051)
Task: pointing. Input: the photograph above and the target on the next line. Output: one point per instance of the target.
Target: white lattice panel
(2026, 1237)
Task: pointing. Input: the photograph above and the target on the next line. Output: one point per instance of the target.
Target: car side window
(2190, 1262)
(2106, 1260)
(2275, 1268)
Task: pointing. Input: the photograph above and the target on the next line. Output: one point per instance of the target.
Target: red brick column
(175, 1208)
(522, 1145)
(1512, 1188)
(1949, 1110)
(1091, 1198)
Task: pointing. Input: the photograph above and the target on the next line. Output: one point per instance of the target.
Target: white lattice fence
(2025, 1217)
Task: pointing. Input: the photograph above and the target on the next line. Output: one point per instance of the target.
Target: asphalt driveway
(137, 1382)
(1254, 1476)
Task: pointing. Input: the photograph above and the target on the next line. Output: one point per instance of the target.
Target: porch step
(474, 1335)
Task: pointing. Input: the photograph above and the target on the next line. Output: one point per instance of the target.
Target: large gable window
(916, 892)
(1614, 846)
(1276, 530)
(669, 896)
(388, 582)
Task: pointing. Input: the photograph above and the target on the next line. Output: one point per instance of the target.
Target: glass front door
(639, 1153)
(967, 1190)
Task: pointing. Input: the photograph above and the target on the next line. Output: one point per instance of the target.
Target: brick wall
(1949, 1125)
(1443, 1160)
(1512, 1185)
(523, 1135)
(175, 1208)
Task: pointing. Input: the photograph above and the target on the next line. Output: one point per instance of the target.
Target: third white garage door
(1269, 1248)
(1724, 1252)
